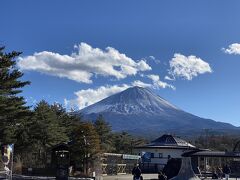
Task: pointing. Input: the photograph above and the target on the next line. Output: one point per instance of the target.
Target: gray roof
(168, 141)
(213, 154)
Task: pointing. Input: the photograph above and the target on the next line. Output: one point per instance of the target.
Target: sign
(146, 156)
(7, 159)
(132, 157)
(6, 153)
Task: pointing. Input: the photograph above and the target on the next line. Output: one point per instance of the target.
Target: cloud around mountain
(87, 63)
(157, 83)
(140, 111)
(90, 96)
(83, 64)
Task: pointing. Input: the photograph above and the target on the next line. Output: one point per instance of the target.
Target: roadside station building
(154, 156)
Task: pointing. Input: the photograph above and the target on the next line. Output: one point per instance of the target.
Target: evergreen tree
(124, 142)
(85, 144)
(217, 142)
(105, 134)
(12, 106)
(63, 118)
(47, 130)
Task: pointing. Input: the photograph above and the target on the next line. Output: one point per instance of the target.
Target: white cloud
(232, 49)
(157, 83)
(90, 96)
(65, 103)
(153, 77)
(169, 78)
(152, 58)
(81, 66)
(141, 84)
(188, 67)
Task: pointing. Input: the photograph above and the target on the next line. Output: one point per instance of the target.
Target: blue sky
(195, 43)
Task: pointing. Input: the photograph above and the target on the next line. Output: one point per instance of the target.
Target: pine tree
(12, 106)
(85, 144)
(124, 142)
(104, 131)
(47, 130)
(63, 117)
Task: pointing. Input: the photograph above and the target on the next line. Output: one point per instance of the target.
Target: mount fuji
(139, 111)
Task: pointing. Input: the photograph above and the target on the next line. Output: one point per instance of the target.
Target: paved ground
(118, 177)
(145, 177)
(129, 177)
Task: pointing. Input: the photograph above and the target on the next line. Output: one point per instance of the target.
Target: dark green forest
(225, 142)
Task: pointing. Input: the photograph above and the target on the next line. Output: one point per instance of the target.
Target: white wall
(174, 153)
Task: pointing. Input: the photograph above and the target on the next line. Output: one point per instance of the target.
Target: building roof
(61, 146)
(168, 141)
(212, 154)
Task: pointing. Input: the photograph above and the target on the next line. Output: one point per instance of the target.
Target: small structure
(186, 172)
(233, 158)
(113, 163)
(156, 154)
(61, 161)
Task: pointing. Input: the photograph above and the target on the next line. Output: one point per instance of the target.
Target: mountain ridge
(125, 98)
(138, 110)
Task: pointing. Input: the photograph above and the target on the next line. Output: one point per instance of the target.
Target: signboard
(7, 159)
(6, 153)
(133, 157)
(146, 156)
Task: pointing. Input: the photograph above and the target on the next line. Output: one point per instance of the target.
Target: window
(152, 155)
(160, 155)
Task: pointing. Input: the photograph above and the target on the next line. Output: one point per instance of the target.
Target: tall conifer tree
(12, 105)
(46, 129)
(104, 131)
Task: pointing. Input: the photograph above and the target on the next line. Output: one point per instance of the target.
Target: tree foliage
(105, 133)
(46, 129)
(124, 142)
(85, 144)
(12, 106)
(217, 142)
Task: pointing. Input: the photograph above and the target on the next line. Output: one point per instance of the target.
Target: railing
(113, 169)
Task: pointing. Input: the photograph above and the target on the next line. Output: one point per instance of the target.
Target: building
(154, 156)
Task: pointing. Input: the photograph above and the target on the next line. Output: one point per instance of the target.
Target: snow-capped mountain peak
(133, 100)
(138, 110)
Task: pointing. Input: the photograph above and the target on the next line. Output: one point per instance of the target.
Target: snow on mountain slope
(134, 100)
(139, 110)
